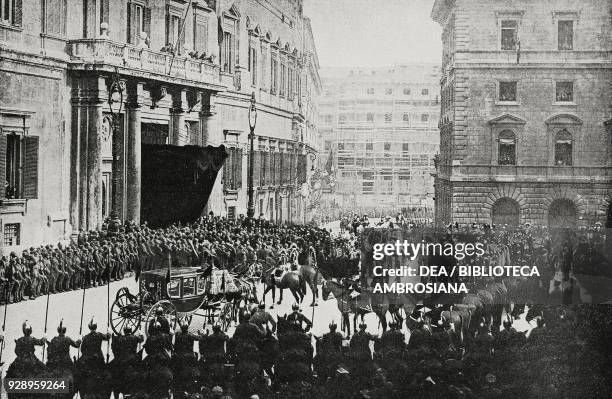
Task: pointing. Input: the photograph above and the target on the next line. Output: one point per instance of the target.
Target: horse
(290, 279)
(311, 274)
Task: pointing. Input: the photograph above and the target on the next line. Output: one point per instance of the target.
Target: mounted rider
(26, 362)
(91, 347)
(332, 340)
(164, 325)
(263, 319)
(360, 342)
(212, 347)
(392, 341)
(183, 342)
(59, 349)
(158, 345)
(125, 347)
(297, 319)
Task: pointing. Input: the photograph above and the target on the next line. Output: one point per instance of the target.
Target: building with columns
(88, 81)
(525, 124)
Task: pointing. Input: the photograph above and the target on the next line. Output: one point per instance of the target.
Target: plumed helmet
(127, 330)
(295, 306)
(26, 327)
(92, 324)
(262, 306)
(184, 327)
(363, 326)
(61, 329)
(159, 311)
(333, 325)
(216, 328)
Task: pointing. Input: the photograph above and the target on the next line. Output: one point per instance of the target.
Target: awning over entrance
(177, 181)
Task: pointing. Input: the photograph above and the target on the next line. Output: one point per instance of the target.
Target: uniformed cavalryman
(247, 331)
(25, 350)
(360, 342)
(212, 347)
(158, 345)
(393, 339)
(263, 319)
(91, 347)
(164, 325)
(298, 319)
(332, 341)
(59, 349)
(125, 347)
(183, 341)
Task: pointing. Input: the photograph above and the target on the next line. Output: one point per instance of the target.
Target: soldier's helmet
(61, 329)
(363, 326)
(295, 307)
(333, 326)
(184, 327)
(127, 330)
(262, 306)
(216, 328)
(92, 324)
(26, 327)
(159, 311)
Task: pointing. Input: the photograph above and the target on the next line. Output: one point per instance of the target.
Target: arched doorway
(505, 211)
(562, 213)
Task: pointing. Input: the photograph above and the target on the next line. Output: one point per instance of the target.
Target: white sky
(373, 33)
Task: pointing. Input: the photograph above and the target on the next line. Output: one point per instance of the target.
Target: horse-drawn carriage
(181, 294)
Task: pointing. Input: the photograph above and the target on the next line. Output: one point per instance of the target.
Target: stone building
(84, 81)
(381, 125)
(526, 108)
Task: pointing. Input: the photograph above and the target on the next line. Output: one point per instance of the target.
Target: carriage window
(174, 288)
(189, 288)
(202, 284)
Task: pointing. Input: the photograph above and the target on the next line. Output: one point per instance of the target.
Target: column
(208, 119)
(133, 151)
(177, 116)
(94, 166)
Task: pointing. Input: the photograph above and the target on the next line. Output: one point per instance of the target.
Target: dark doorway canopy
(177, 182)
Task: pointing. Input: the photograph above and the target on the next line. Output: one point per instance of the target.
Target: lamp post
(115, 105)
(252, 122)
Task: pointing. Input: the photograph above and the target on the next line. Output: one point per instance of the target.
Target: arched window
(563, 148)
(507, 148)
(505, 211)
(562, 213)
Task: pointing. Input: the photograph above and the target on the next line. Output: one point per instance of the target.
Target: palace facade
(88, 81)
(526, 108)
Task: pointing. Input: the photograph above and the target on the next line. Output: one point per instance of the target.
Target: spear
(82, 309)
(46, 318)
(8, 293)
(108, 313)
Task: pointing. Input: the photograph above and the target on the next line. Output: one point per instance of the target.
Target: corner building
(525, 124)
(70, 71)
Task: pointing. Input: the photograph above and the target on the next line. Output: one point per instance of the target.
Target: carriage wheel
(169, 312)
(125, 312)
(225, 316)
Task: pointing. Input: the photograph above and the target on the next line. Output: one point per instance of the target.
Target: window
(283, 80)
(340, 146)
(509, 34)
(388, 91)
(424, 118)
(175, 37)
(227, 52)
(189, 286)
(174, 288)
(12, 234)
(405, 147)
(406, 118)
(565, 35)
(273, 75)
(563, 148)
(200, 34)
(425, 92)
(564, 92)
(507, 148)
(253, 65)
(507, 91)
(388, 118)
(371, 90)
(10, 12)
(369, 146)
(138, 20)
(406, 91)
(54, 12)
(232, 169)
(21, 166)
(370, 117)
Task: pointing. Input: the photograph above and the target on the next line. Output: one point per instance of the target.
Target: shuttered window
(54, 12)
(138, 20)
(200, 34)
(256, 168)
(233, 169)
(19, 166)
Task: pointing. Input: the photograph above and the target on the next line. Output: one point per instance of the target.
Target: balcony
(103, 54)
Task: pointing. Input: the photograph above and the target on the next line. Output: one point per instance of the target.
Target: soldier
(212, 347)
(392, 340)
(125, 347)
(263, 319)
(332, 341)
(4, 282)
(164, 325)
(183, 342)
(298, 319)
(59, 349)
(25, 348)
(360, 342)
(91, 347)
(158, 345)
(247, 331)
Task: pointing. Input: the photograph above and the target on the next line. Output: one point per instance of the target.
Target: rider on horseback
(360, 342)
(59, 349)
(183, 342)
(212, 347)
(25, 347)
(298, 319)
(91, 347)
(164, 325)
(125, 347)
(332, 341)
(263, 319)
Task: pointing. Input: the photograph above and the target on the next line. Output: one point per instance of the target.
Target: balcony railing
(107, 52)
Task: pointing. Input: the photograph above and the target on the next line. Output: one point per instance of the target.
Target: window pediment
(564, 119)
(232, 13)
(506, 119)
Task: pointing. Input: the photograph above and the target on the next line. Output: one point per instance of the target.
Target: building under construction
(381, 125)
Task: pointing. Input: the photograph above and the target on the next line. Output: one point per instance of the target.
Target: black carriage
(182, 294)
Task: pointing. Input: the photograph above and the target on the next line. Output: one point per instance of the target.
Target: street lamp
(115, 105)
(313, 158)
(252, 123)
